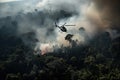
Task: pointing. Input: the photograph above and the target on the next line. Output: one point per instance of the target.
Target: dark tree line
(100, 60)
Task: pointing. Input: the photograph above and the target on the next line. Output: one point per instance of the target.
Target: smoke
(16, 7)
(94, 16)
(105, 15)
(36, 21)
(62, 11)
(109, 12)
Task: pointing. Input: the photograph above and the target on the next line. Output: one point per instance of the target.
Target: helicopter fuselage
(62, 28)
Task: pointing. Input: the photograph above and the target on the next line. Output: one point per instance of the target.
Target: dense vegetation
(100, 60)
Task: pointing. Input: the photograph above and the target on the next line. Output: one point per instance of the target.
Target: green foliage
(81, 63)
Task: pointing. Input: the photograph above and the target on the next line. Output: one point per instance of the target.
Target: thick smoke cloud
(62, 11)
(35, 21)
(108, 12)
(105, 15)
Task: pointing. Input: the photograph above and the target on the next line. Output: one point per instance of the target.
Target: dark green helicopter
(62, 28)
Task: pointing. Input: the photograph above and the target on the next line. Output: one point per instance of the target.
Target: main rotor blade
(70, 25)
(56, 24)
(64, 24)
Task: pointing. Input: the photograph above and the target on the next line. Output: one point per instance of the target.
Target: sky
(2, 1)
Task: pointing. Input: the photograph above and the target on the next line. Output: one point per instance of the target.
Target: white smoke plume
(36, 22)
(89, 17)
(79, 20)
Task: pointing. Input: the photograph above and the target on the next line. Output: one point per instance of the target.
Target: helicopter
(62, 28)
